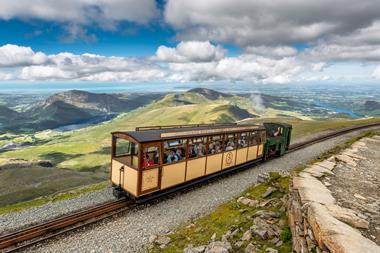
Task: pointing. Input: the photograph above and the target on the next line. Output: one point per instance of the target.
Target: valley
(80, 155)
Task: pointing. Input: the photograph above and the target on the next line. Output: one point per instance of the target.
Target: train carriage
(152, 161)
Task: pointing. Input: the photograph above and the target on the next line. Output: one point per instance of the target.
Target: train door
(151, 165)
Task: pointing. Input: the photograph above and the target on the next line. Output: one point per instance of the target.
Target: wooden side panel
(260, 151)
(149, 179)
(241, 156)
(115, 177)
(214, 163)
(229, 159)
(135, 160)
(252, 153)
(173, 174)
(195, 168)
(130, 180)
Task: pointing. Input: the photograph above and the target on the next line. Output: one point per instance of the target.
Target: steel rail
(37, 233)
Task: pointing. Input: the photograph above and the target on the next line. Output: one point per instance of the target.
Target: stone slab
(312, 190)
(336, 235)
(326, 164)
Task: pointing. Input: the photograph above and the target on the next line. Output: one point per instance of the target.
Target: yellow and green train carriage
(153, 161)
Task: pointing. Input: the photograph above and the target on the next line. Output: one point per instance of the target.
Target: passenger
(171, 157)
(211, 148)
(230, 146)
(156, 157)
(178, 153)
(200, 150)
(217, 148)
(278, 132)
(147, 161)
(192, 152)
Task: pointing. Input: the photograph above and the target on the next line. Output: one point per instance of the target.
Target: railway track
(37, 233)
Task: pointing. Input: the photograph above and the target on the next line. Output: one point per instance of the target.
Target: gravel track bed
(130, 230)
(16, 220)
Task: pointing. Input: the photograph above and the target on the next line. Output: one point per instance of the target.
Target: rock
(213, 237)
(259, 232)
(247, 201)
(336, 235)
(312, 190)
(246, 236)
(263, 177)
(191, 249)
(152, 238)
(358, 196)
(250, 248)
(162, 240)
(238, 244)
(326, 164)
(218, 247)
(266, 214)
(346, 159)
(327, 184)
(274, 240)
(268, 192)
(271, 250)
(318, 171)
(226, 236)
(279, 243)
(348, 216)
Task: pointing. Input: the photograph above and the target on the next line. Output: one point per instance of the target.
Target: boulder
(335, 235)
(348, 216)
(162, 240)
(312, 190)
(346, 159)
(268, 192)
(218, 247)
(247, 201)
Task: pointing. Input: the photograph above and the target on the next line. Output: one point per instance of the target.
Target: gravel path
(129, 231)
(33, 215)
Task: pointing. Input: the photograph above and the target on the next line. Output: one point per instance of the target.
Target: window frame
(191, 143)
(184, 157)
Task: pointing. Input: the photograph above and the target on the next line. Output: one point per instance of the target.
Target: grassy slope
(88, 149)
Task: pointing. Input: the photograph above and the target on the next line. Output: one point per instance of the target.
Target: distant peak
(209, 93)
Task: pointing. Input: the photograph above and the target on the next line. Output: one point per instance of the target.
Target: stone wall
(317, 223)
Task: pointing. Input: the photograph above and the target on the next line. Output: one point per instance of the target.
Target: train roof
(150, 134)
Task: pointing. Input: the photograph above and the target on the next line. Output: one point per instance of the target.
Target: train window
(197, 147)
(254, 138)
(215, 144)
(230, 142)
(151, 156)
(125, 147)
(175, 150)
(243, 140)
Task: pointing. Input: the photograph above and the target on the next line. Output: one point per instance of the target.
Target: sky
(189, 41)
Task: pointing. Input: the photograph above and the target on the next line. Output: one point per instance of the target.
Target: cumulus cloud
(13, 55)
(242, 68)
(188, 61)
(5, 76)
(376, 73)
(190, 51)
(103, 12)
(246, 22)
(279, 51)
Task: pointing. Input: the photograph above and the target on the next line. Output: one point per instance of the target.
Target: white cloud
(13, 55)
(5, 76)
(103, 12)
(242, 68)
(318, 67)
(280, 51)
(190, 51)
(376, 73)
(45, 73)
(277, 22)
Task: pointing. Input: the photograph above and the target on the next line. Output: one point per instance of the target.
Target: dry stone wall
(317, 222)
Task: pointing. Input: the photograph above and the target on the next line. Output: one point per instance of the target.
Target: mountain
(371, 105)
(208, 93)
(92, 102)
(7, 114)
